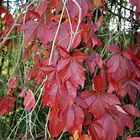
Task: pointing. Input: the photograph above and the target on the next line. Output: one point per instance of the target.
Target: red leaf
(22, 93)
(79, 57)
(12, 85)
(113, 63)
(30, 28)
(99, 82)
(8, 18)
(129, 55)
(6, 103)
(119, 67)
(131, 110)
(136, 3)
(52, 93)
(73, 8)
(97, 103)
(97, 25)
(42, 7)
(134, 138)
(55, 124)
(29, 100)
(42, 33)
(94, 60)
(121, 118)
(96, 40)
(69, 118)
(71, 68)
(113, 48)
(109, 127)
(73, 118)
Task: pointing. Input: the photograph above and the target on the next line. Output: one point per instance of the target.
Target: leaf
(22, 93)
(73, 118)
(113, 48)
(52, 93)
(119, 67)
(99, 82)
(69, 118)
(131, 110)
(113, 63)
(136, 3)
(8, 18)
(121, 118)
(97, 103)
(42, 7)
(12, 85)
(97, 24)
(57, 93)
(75, 135)
(134, 138)
(54, 123)
(42, 33)
(71, 67)
(96, 41)
(111, 123)
(94, 60)
(29, 100)
(30, 28)
(109, 127)
(6, 103)
(133, 2)
(73, 8)
(98, 3)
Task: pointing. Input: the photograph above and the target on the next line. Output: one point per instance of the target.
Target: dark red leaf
(6, 103)
(99, 82)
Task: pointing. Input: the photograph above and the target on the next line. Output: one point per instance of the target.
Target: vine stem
(78, 25)
(50, 59)
(46, 125)
(57, 31)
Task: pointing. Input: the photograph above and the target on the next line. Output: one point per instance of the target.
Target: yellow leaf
(75, 135)
(96, 3)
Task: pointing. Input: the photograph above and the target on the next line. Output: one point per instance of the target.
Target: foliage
(67, 80)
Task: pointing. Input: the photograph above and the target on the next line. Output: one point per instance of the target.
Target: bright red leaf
(29, 100)
(71, 67)
(97, 103)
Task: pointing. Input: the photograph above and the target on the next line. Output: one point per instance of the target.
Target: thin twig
(78, 25)
(57, 31)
